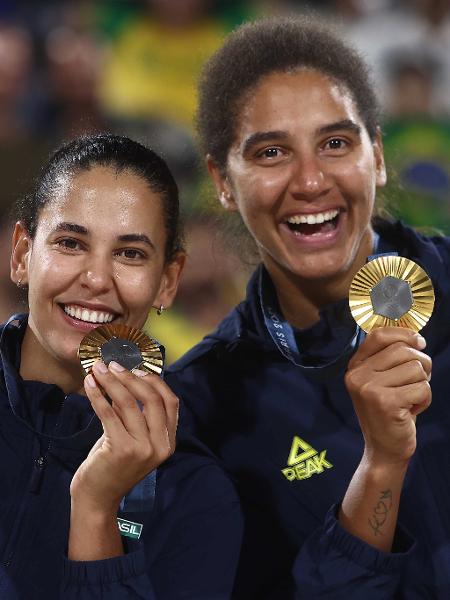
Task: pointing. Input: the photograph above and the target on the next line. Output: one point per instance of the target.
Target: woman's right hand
(135, 440)
(139, 434)
(388, 381)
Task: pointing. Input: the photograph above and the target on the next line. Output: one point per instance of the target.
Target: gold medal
(129, 347)
(391, 291)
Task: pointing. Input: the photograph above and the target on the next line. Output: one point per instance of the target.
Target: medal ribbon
(282, 332)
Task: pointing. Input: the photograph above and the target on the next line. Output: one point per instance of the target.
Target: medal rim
(399, 267)
(152, 352)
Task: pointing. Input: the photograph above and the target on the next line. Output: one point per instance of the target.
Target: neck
(37, 365)
(302, 299)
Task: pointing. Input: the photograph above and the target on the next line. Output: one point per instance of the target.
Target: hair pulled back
(106, 150)
(263, 47)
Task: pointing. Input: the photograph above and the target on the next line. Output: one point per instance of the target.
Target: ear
(169, 281)
(20, 254)
(222, 185)
(379, 159)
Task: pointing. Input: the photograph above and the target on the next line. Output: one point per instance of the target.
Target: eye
(270, 154)
(69, 244)
(131, 254)
(336, 144)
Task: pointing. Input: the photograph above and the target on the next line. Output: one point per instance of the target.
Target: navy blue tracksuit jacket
(191, 535)
(292, 442)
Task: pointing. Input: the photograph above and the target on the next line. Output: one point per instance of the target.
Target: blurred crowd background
(130, 66)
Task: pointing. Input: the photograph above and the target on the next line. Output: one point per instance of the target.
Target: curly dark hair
(107, 150)
(258, 48)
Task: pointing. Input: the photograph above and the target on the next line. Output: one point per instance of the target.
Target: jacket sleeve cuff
(363, 554)
(333, 563)
(100, 572)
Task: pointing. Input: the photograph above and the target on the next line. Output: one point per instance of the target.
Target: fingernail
(140, 373)
(90, 381)
(100, 367)
(115, 366)
(421, 342)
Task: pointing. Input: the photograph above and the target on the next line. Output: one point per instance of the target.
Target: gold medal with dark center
(130, 347)
(391, 291)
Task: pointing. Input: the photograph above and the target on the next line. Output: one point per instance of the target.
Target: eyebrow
(136, 237)
(127, 237)
(262, 136)
(346, 124)
(73, 227)
(265, 136)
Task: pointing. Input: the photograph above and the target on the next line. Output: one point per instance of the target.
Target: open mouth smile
(314, 224)
(86, 315)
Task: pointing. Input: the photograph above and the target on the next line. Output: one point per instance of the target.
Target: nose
(309, 179)
(97, 274)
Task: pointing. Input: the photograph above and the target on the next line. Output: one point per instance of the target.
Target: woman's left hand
(135, 440)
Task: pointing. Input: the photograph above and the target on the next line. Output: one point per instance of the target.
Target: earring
(19, 282)
(160, 310)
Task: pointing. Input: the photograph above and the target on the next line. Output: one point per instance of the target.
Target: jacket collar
(78, 429)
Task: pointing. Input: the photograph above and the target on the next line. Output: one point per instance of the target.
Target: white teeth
(313, 219)
(90, 316)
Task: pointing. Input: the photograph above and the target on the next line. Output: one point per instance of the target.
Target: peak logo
(304, 461)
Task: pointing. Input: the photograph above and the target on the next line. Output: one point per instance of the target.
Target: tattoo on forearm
(380, 512)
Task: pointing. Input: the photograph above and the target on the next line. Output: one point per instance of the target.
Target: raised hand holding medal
(391, 298)
(137, 410)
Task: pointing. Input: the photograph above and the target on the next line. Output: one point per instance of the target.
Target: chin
(318, 271)
(68, 356)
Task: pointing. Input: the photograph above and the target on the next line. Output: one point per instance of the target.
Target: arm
(370, 506)
(195, 523)
(360, 546)
(388, 382)
(126, 452)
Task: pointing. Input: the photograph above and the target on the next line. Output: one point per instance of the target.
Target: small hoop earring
(160, 310)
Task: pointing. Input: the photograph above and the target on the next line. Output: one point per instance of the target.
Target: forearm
(93, 535)
(369, 510)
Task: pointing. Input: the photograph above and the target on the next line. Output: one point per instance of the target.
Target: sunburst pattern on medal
(90, 350)
(371, 274)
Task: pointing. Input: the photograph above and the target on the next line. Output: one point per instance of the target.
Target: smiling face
(302, 172)
(98, 256)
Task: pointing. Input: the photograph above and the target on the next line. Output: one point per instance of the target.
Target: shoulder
(213, 369)
(431, 252)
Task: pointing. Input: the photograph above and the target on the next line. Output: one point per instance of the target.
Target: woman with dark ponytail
(99, 242)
